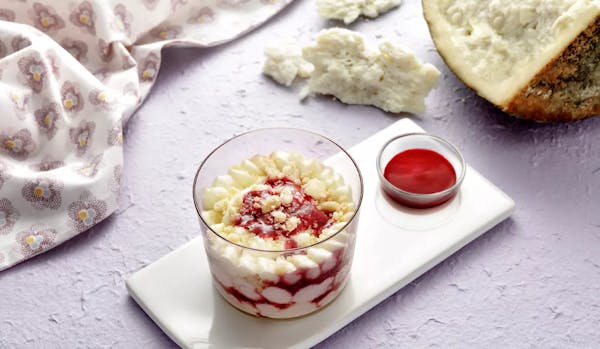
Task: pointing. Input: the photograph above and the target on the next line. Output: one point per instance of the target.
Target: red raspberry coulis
(420, 171)
(303, 207)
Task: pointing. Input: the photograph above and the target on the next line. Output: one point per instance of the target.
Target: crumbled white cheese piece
(286, 196)
(284, 62)
(279, 216)
(292, 223)
(271, 203)
(316, 188)
(350, 10)
(389, 78)
(329, 206)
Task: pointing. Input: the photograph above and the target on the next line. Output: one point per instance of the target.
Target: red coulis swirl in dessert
(302, 282)
(263, 224)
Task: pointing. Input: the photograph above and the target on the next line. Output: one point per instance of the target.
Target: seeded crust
(568, 88)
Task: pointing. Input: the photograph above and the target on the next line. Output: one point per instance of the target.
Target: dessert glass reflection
(278, 210)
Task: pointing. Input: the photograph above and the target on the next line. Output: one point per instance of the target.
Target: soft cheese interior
(496, 46)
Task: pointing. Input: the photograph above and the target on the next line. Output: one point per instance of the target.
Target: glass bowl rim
(437, 194)
(354, 214)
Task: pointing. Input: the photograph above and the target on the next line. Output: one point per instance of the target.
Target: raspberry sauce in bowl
(420, 170)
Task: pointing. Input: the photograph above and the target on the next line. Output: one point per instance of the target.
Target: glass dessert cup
(281, 282)
(425, 141)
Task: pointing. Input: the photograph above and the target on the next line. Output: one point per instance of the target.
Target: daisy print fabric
(71, 75)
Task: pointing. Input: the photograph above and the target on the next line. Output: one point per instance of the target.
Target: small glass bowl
(420, 141)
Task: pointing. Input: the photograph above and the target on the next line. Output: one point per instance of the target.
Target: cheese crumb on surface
(279, 216)
(292, 223)
(271, 203)
(350, 10)
(284, 62)
(316, 188)
(286, 196)
(389, 77)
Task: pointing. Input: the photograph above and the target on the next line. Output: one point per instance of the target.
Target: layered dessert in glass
(278, 224)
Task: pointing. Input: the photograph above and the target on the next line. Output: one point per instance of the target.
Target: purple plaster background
(533, 281)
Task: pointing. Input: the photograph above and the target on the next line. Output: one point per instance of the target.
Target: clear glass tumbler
(279, 283)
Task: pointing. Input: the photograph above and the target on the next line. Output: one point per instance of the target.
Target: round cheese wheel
(535, 59)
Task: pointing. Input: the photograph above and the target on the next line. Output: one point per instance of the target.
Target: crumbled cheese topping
(222, 201)
(286, 196)
(271, 203)
(279, 216)
(291, 223)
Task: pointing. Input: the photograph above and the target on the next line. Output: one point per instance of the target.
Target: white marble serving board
(394, 246)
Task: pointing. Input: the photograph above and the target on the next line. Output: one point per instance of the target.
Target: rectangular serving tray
(394, 246)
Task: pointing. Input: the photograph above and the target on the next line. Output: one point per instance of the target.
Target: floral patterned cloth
(71, 74)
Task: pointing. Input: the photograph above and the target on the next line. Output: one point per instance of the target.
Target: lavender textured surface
(532, 281)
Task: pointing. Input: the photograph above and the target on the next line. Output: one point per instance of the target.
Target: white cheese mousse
(280, 245)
